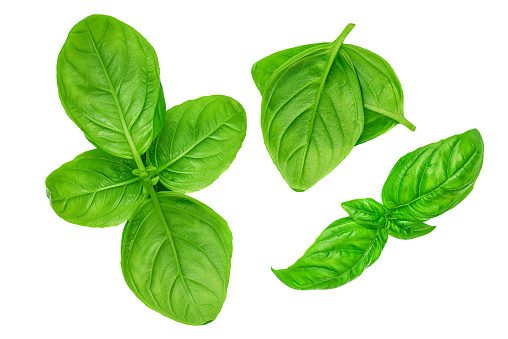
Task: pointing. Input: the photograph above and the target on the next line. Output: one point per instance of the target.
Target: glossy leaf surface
(198, 142)
(340, 254)
(433, 179)
(95, 189)
(312, 113)
(366, 212)
(411, 232)
(176, 258)
(381, 90)
(109, 84)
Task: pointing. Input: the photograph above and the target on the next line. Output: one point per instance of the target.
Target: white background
(59, 280)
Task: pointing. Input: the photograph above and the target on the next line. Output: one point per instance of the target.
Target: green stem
(340, 39)
(399, 118)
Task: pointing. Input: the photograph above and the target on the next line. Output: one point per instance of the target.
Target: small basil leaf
(433, 179)
(366, 212)
(263, 69)
(176, 258)
(198, 142)
(109, 84)
(411, 232)
(340, 254)
(95, 189)
(312, 113)
(383, 99)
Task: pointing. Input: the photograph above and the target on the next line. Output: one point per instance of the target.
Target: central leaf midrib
(335, 49)
(114, 95)
(169, 163)
(123, 183)
(157, 206)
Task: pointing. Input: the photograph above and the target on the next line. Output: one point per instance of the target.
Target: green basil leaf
(433, 179)
(176, 258)
(366, 212)
(198, 142)
(312, 113)
(95, 189)
(340, 254)
(381, 90)
(383, 99)
(411, 232)
(109, 84)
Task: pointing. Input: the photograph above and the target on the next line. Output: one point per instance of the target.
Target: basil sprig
(321, 100)
(422, 185)
(176, 251)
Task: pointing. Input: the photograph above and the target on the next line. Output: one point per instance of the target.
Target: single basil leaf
(198, 142)
(312, 113)
(433, 179)
(109, 84)
(176, 258)
(366, 212)
(340, 254)
(411, 232)
(95, 189)
(381, 90)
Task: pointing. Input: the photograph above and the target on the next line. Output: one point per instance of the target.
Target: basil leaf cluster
(319, 101)
(175, 251)
(422, 185)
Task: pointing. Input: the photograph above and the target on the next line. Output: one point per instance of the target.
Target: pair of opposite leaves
(321, 100)
(422, 185)
(176, 251)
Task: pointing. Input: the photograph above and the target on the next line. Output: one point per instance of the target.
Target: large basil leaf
(366, 212)
(410, 232)
(199, 140)
(176, 258)
(312, 113)
(340, 254)
(109, 84)
(95, 189)
(433, 179)
(381, 90)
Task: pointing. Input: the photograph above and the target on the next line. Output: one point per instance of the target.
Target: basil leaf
(176, 258)
(382, 95)
(95, 189)
(340, 254)
(411, 232)
(366, 212)
(381, 90)
(312, 113)
(198, 142)
(433, 179)
(109, 84)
